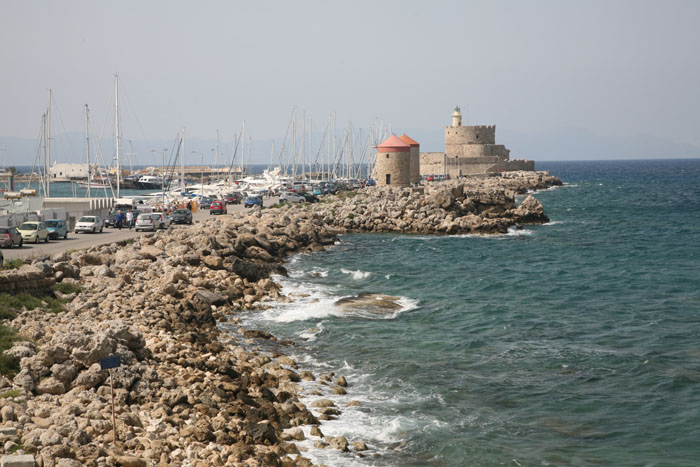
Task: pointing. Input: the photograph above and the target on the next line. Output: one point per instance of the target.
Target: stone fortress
(469, 150)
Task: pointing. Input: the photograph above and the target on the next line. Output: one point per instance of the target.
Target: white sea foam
(374, 421)
(357, 275)
(515, 232)
(553, 223)
(380, 420)
(387, 277)
(318, 272)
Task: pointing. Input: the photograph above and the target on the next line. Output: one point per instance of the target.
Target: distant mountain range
(555, 144)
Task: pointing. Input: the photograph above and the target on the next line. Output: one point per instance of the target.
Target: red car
(232, 198)
(217, 207)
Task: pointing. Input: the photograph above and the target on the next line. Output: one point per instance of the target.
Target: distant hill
(555, 144)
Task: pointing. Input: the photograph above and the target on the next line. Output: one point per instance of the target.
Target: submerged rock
(370, 302)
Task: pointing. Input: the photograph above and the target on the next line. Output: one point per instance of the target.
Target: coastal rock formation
(476, 205)
(189, 392)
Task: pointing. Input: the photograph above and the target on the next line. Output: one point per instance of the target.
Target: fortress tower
(472, 141)
(470, 150)
(392, 166)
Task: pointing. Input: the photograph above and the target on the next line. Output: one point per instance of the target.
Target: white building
(68, 172)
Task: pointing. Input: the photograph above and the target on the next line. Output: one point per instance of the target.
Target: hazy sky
(608, 67)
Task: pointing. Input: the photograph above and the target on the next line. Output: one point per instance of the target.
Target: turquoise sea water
(572, 343)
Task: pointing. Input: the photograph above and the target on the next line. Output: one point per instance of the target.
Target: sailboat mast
(47, 159)
(42, 180)
(294, 146)
(243, 148)
(311, 143)
(303, 146)
(216, 154)
(87, 149)
(116, 129)
(182, 164)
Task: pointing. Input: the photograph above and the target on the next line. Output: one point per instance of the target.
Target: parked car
(217, 207)
(147, 221)
(57, 228)
(162, 220)
(329, 189)
(182, 216)
(111, 220)
(34, 231)
(290, 197)
(9, 236)
(309, 197)
(251, 201)
(205, 202)
(233, 198)
(91, 224)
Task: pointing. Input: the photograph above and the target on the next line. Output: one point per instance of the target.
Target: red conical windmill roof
(393, 144)
(408, 140)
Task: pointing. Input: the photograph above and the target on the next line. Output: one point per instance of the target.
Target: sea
(573, 343)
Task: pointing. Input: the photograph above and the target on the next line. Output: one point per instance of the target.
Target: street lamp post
(201, 172)
(162, 178)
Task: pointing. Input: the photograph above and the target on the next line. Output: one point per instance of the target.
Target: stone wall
(478, 150)
(476, 134)
(26, 279)
(513, 165)
(432, 163)
(398, 164)
(415, 164)
(439, 163)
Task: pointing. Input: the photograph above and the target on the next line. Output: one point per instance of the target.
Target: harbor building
(69, 172)
(392, 166)
(470, 150)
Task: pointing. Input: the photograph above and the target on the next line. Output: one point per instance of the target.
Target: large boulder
(442, 198)
(530, 211)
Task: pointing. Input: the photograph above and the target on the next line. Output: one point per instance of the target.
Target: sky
(560, 79)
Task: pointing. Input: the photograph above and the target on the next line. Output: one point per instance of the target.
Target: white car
(152, 221)
(89, 224)
(291, 197)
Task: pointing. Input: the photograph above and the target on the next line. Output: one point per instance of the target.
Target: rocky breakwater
(478, 205)
(187, 393)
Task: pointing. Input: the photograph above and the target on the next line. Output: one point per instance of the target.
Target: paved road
(84, 240)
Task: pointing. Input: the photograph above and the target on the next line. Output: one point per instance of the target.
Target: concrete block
(21, 460)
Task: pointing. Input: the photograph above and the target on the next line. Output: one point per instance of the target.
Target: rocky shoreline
(188, 392)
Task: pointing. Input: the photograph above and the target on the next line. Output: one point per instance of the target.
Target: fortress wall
(517, 164)
(479, 134)
(432, 163)
(478, 150)
(469, 169)
(398, 164)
